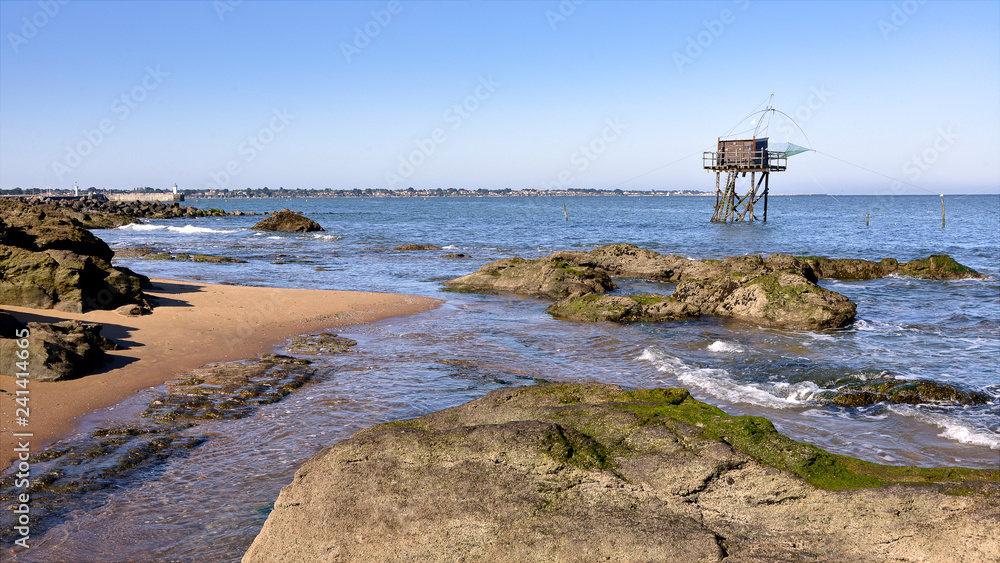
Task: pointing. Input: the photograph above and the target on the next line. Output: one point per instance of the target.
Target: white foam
(141, 227)
(721, 346)
(865, 377)
(954, 429)
(449, 247)
(719, 384)
(819, 336)
(327, 237)
(191, 229)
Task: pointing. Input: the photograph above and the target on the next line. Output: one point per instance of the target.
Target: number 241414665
(22, 356)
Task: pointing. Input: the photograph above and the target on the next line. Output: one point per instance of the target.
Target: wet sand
(192, 325)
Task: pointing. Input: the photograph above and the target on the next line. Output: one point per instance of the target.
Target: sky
(895, 97)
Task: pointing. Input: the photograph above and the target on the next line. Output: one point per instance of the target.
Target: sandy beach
(192, 325)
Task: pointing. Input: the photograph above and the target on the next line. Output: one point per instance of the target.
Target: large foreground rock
(287, 222)
(595, 473)
(51, 261)
(545, 277)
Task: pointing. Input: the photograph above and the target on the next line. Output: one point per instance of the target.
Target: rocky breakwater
(778, 291)
(98, 212)
(286, 221)
(592, 472)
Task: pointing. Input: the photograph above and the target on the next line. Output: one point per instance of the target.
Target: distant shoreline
(426, 194)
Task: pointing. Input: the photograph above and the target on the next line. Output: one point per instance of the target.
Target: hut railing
(745, 160)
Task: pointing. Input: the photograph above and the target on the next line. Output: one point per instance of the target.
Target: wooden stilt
(766, 182)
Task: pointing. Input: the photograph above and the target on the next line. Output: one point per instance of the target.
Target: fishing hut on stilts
(737, 157)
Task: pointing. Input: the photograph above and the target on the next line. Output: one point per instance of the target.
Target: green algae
(571, 447)
(757, 437)
(937, 266)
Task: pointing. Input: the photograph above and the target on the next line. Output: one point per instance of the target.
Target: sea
(209, 505)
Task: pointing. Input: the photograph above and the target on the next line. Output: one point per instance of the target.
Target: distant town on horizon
(358, 192)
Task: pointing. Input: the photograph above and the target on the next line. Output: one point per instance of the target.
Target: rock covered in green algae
(778, 291)
(591, 472)
(780, 299)
(544, 277)
(648, 307)
(935, 267)
(900, 391)
(630, 261)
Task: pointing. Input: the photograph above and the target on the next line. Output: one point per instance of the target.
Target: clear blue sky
(345, 94)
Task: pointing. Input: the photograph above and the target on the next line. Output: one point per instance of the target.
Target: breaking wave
(186, 229)
(954, 429)
(719, 384)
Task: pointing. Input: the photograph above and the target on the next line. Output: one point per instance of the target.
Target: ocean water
(209, 505)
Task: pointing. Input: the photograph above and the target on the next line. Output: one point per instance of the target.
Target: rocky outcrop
(58, 351)
(778, 291)
(782, 298)
(544, 277)
(590, 472)
(51, 261)
(149, 253)
(286, 221)
(935, 267)
(900, 391)
(650, 307)
(630, 261)
(413, 246)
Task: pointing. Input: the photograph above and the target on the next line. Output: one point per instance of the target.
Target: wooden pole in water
(942, 211)
(867, 216)
(566, 213)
